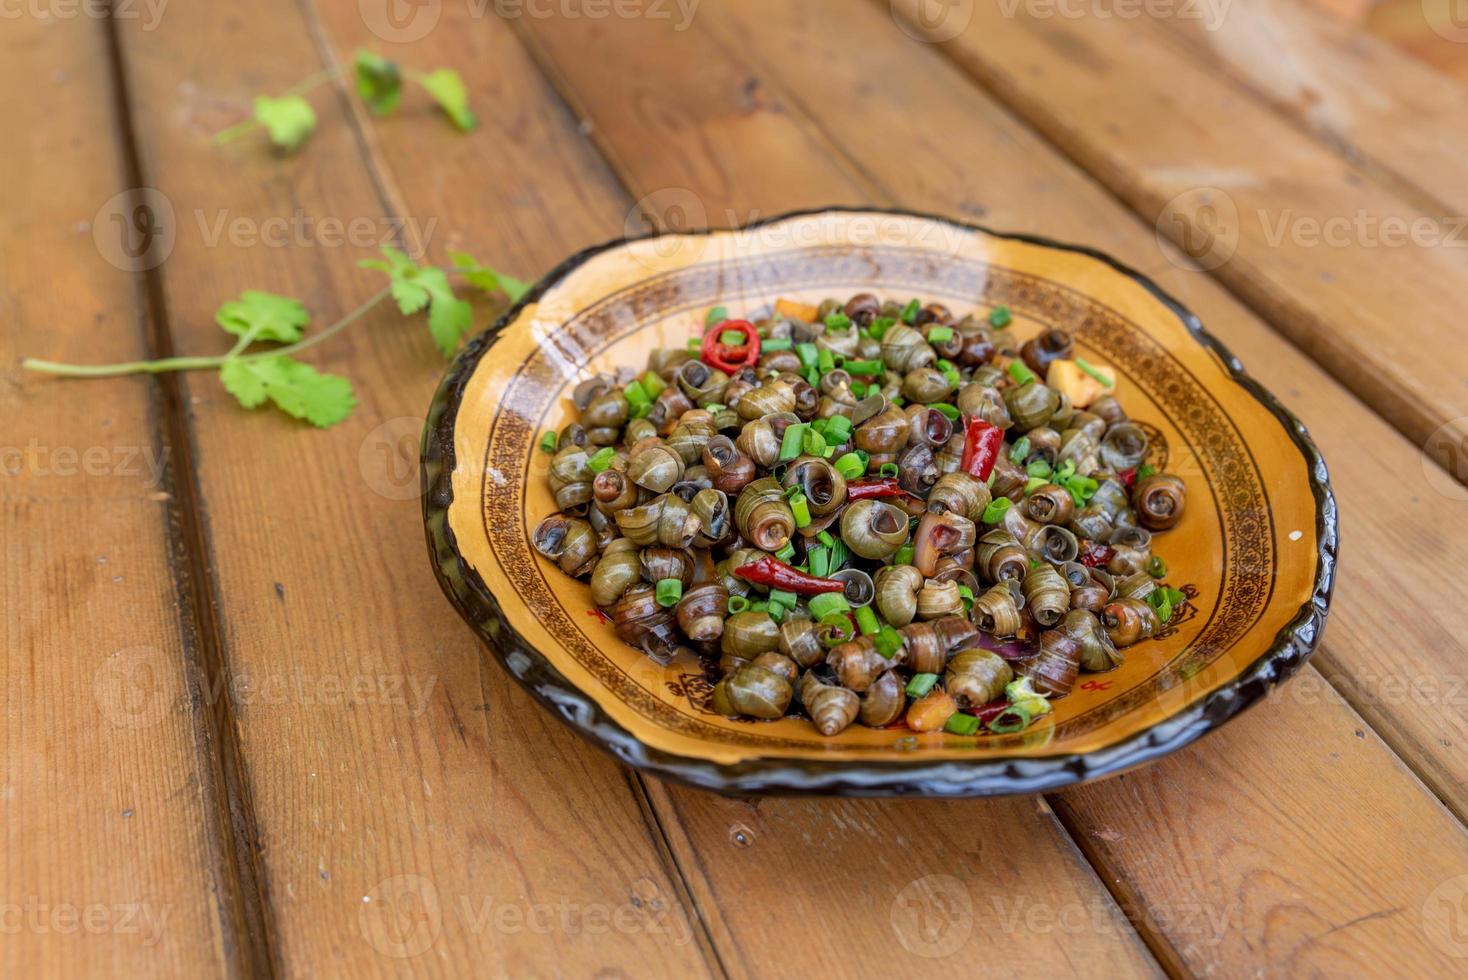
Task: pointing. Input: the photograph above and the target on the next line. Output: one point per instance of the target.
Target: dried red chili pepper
(877, 486)
(728, 358)
(776, 574)
(981, 445)
(1128, 476)
(1096, 555)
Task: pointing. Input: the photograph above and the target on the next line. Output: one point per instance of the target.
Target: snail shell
(976, 677)
(884, 701)
(938, 599)
(897, 592)
(1053, 669)
(961, 494)
(997, 610)
(800, 641)
(872, 528)
(763, 515)
(701, 612)
(729, 469)
(619, 568)
(904, 349)
(1031, 405)
(1047, 594)
(1128, 620)
(857, 663)
(998, 557)
(1050, 504)
(831, 708)
(753, 691)
(1159, 501)
(748, 634)
(1123, 446)
(1097, 652)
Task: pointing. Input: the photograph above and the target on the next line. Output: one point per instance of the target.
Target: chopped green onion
(762, 606)
(827, 603)
(669, 591)
(1021, 373)
(548, 442)
(695, 346)
(716, 315)
(839, 555)
(777, 343)
(888, 642)
(921, 684)
(888, 470)
(792, 490)
(994, 513)
(967, 595)
(813, 377)
(866, 621)
(949, 411)
(733, 338)
(800, 507)
(775, 611)
(880, 325)
(940, 335)
(639, 403)
(1146, 470)
(839, 628)
(786, 553)
(1015, 718)
(961, 724)
(652, 384)
(874, 366)
(1067, 470)
(808, 354)
(903, 555)
(838, 429)
(910, 311)
(1034, 483)
(787, 599)
(838, 322)
(1039, 467)
(1020, 451)
(601, 459)
(899, 401)
(813, 443)
(1000, 317)
(825, 538)
(1157, 568)
(792, 440)
(736, 604)
(819, 558)
(1091, 370)
(825, 361)
(858, 390)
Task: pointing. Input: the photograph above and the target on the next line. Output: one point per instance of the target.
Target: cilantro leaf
(290, 119)
(264, 316)
(294, 386)
(487, 279)
(447, 89)
(379, 82)
(414, 288)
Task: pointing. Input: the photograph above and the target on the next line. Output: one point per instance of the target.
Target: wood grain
(741, 859)
(1379, 108)
(1329, 256)
(414, 812)
(113, 862)
(969, 157)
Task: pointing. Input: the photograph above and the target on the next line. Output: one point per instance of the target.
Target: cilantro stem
(164, 365)
(300, 88)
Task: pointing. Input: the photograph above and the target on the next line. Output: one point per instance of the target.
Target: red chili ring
(717, 354)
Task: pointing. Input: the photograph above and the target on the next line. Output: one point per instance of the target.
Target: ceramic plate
(1255, 550)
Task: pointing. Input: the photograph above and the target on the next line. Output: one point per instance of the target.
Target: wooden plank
(1384, 111)
(1359, 277)
(726, 849)
(113, 863)
(1439, 43)
(979, 161)
(976, 159)
(414, 811)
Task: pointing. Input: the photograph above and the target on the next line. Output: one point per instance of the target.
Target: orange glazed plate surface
(1254, 551)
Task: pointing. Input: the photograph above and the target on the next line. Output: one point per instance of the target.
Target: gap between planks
(238, 872)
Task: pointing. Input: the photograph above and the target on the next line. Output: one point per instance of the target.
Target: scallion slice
(669, 591)
(921, 684)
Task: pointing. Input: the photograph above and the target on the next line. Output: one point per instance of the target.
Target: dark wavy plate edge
(1292, 646)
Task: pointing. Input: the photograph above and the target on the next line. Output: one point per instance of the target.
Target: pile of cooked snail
(867, 512)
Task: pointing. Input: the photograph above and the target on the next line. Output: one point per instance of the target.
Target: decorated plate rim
(1291, 647)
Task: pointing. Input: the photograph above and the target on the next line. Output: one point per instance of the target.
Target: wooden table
(245, 735)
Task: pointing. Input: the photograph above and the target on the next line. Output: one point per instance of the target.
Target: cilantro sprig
(256, 374)
(289, 119)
